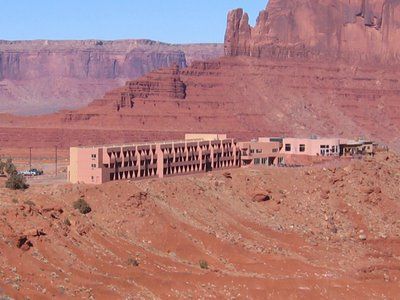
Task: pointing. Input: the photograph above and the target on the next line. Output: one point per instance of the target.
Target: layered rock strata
(44, 76)
(353, 30)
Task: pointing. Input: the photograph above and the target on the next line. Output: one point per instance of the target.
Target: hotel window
(288, 147)
(258, 151)
(252, 151)
(257, 161)
(274, 150)
(93, 165)
(94, 155)
(302, 148)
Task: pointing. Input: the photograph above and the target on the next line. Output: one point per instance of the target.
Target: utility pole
(30, 158)
(56, 159)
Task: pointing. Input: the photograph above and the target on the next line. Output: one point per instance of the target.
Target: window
(93, 165)
(259, 151)
(275, 150)
(302, 148)
(252, 151)
(256, 161)
(94, 155)
(288, 147)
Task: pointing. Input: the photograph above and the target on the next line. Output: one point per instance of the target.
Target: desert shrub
(82, 206)
(16, 181)
(9, 167)
(203, 264)
(133, 262)
(30, 203)
(67, 222)
(2, 166)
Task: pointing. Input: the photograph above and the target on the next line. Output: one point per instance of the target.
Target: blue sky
(173, 21)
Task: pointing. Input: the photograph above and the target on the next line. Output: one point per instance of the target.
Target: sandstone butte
(45, 76)
(307, 67)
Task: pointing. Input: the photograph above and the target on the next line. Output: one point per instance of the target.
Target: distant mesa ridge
(44, 76)
(356, 30)
(318, 66)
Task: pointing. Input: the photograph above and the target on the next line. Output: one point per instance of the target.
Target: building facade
(260, 152)
(350, 148)
(311, 147)
(96, 165)
(200, 153)
(281, 151)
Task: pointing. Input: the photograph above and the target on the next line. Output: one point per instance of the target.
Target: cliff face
(42, 76)
(244, 97)
(356, 30)
(302, 85)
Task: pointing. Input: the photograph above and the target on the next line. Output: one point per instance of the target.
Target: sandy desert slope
(327, 231)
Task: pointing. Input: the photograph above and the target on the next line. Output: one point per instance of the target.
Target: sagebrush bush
(30, 203)
(7, 167)
(67, 222)
(203, 264)
(82, 206)
(16, 181)
(133, 262)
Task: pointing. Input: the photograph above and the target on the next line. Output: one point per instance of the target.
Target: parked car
(32, 172)
(25, 173)
(36, 172)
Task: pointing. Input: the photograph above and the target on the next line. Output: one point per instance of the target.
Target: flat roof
(149, 143)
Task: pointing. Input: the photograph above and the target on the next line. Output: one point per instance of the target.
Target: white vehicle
(32, 172)
(27, 173)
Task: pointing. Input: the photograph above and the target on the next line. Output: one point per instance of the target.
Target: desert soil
(320, 232)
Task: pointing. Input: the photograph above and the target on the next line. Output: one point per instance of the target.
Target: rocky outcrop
(160, 84)
(238, 34)
(44, 76)
(356, 30)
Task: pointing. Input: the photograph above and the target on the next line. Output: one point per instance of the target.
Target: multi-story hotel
(195, 154)
(199, 153)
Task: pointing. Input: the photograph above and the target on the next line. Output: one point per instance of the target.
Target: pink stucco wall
(312, 147)
(101, 164)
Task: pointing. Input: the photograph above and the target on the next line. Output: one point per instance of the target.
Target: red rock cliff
(361, 30)
(43, 76)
